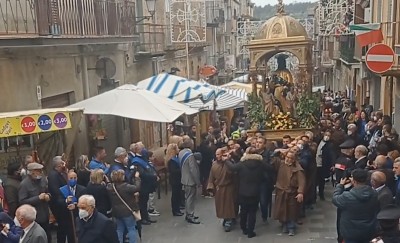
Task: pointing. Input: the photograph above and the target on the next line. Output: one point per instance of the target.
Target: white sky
(274, 2)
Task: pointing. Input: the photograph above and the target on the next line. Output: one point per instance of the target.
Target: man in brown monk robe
(289, 189)
(221, 182)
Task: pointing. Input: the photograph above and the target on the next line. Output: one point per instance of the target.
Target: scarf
(177, 161)
(141, 162)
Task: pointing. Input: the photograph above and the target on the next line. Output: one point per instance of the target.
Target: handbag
(136, 214)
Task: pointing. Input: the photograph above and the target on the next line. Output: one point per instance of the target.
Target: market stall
(43, 133)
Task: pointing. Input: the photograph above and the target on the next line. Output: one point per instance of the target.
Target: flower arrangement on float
(307, 114)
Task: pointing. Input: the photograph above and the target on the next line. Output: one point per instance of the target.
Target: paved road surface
(319, 226)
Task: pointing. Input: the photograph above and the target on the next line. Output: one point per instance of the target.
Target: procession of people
(102, 201)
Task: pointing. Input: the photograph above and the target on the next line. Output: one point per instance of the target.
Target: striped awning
(223, 102)
(227, 98)
(178, 88)
(240, 93)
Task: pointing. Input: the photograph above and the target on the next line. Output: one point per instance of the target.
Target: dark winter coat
(359, 208)
(98, 229)
(251, 173)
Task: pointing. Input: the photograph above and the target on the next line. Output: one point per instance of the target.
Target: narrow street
(319, 226)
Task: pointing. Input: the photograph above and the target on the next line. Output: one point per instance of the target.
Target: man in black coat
(267, 185)
(385, 196)
(57, 178)
(92, 226)
(360, 153)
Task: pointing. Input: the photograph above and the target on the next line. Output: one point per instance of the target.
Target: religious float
(285, 104)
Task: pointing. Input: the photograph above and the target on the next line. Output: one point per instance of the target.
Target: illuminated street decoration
(187, 21)
(334, 16)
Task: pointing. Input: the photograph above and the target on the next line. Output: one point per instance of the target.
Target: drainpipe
(394, 35)
(84, 73)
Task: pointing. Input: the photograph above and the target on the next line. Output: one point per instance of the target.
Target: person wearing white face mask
(353, 135)
(34, 191)
(92, 226)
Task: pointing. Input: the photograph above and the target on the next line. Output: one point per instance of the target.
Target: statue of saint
(280, 96)
(269, 99)
(282, 71)
(280, 9)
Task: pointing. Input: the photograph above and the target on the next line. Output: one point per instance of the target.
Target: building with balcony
(222, 20)
(55, 53)
(61, 52)
(387, 12)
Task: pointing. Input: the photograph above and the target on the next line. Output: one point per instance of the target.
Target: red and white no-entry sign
(379, 58)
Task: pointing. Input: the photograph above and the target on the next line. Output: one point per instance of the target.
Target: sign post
(379, 58)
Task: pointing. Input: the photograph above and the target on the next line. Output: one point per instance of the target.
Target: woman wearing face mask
(325, 158)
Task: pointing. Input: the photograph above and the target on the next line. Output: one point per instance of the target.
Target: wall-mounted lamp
(151, 8)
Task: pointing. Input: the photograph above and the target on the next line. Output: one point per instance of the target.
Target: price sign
(23, 125)
(44, 122)
(28, 124)
(60, 120)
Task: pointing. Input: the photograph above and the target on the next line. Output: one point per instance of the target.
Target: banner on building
(24, 125)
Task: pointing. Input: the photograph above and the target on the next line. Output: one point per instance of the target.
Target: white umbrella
(131, 102)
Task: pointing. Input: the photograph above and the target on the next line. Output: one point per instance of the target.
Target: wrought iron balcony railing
(66, 18)
(347, 48)
(155, 40)
(151, 39)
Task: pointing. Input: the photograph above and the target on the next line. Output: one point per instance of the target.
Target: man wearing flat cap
(388, 219)
(344, 164)
(34, 191)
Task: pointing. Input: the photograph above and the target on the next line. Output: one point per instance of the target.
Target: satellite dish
(105, 68)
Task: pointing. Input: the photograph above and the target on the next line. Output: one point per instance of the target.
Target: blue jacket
(14, 233)
(119, 166)
(94, 164)
(397, 195)
(148, 175)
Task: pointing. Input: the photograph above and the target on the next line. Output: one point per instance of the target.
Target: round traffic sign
(379, 58)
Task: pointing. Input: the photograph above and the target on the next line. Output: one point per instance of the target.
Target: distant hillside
(296, 10)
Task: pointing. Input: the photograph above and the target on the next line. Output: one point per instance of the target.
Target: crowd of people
(357, 150)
